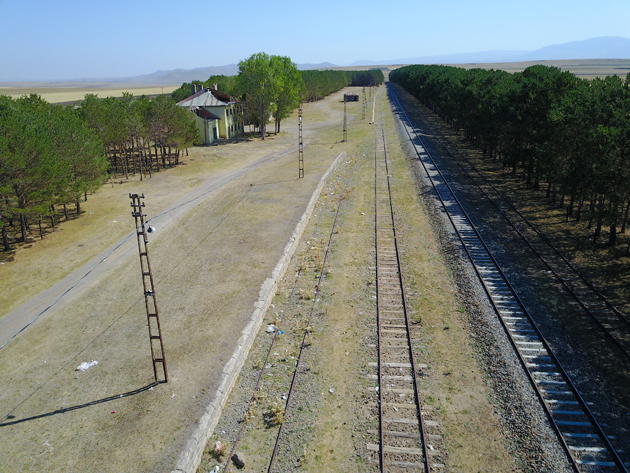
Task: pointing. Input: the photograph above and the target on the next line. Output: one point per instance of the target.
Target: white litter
(331, 391)
(85, 365)
(271, 328)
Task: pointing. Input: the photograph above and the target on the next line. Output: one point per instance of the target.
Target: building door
(214, 131)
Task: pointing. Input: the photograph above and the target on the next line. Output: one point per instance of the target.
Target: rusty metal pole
(364, 106)
(150, 302)
(345, 121)
(301, 146)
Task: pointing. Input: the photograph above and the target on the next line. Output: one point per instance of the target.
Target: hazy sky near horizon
(72, 39)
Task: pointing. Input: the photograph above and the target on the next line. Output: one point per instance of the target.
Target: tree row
(139, 135)
(272, 86)
(571, 133)
(52, 156)
(48, 157)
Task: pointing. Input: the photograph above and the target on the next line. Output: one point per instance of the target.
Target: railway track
(582, 293)
(587, 447)
(322, 238)
(406, 438)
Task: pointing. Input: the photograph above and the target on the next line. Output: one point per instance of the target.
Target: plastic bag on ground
(85, 365)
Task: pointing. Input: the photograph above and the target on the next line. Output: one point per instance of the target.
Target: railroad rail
(269, 351)
(304, 343)
(403, 440)
(583, 293)
(294, 294)
(587, 446)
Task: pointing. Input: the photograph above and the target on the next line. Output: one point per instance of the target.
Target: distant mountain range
(604, 47)
(178, 76)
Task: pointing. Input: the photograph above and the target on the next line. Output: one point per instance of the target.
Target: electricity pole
(300, 146)
(345, 121)
(364, 105)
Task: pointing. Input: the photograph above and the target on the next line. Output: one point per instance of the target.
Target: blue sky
(71, 39)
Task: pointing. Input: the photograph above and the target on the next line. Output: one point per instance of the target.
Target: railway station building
(219, 115)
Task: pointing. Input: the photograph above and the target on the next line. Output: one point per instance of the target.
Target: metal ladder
(150, 302)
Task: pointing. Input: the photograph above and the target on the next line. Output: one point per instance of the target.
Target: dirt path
(12, 324)
(214, 247)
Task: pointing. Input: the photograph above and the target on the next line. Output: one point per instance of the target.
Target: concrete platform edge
(190, 458)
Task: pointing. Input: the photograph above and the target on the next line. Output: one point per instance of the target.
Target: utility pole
(155, 332)
(300, 146)
(364, 107)
(345, 121)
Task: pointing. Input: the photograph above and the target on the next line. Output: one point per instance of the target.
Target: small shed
(350, 97)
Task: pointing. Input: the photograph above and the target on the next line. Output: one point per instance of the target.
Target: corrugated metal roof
(207, 98)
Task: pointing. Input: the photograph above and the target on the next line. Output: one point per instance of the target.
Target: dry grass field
(61, 92)
(235, 206)
(584, 68)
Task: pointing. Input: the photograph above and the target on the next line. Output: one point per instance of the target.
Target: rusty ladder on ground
(153, 319)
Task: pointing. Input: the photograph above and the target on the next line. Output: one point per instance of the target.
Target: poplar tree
(289, 89)
(258, 82)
